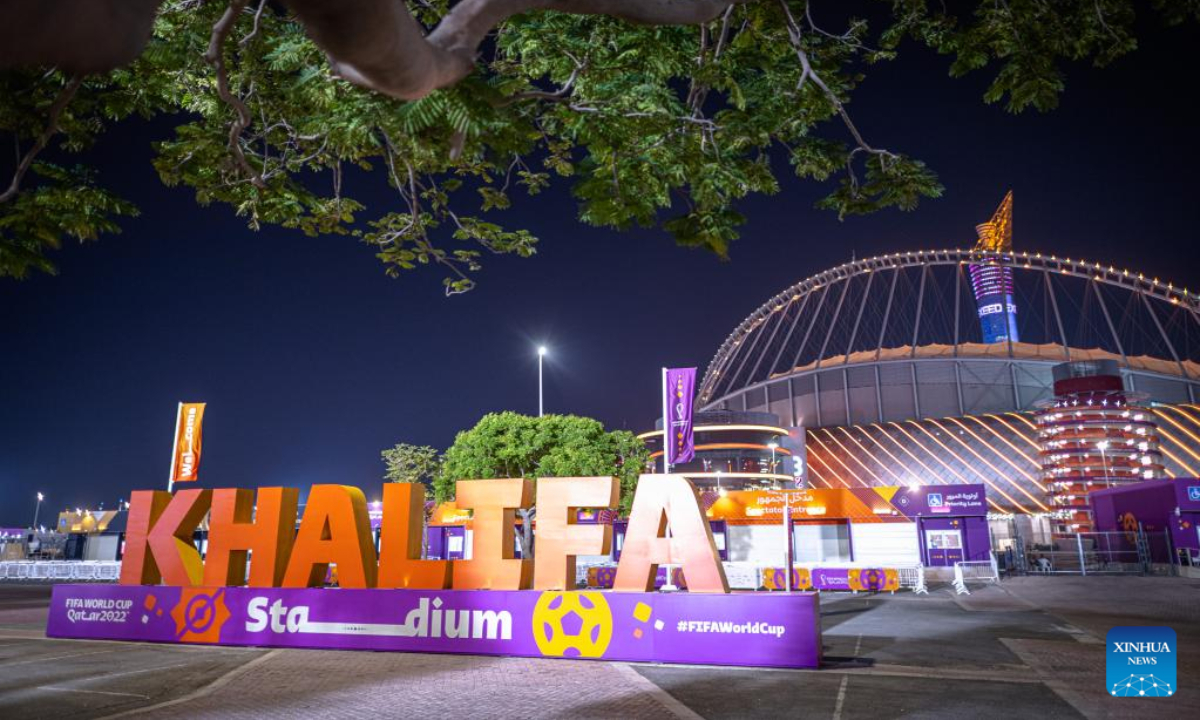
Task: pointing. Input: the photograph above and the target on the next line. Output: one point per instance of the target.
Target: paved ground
(1029, 647)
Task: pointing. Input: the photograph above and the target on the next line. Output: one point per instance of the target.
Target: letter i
(435, 629)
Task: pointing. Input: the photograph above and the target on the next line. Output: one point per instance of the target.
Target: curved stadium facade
(930, 367)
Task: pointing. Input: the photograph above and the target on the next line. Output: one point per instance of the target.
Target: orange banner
(185, 460)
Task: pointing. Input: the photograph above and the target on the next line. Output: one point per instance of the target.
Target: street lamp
(541, 354)
(774, 446)
(37, 509)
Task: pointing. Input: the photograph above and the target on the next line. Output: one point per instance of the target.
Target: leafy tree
(411, 463)
(509, 445)
(658, 112)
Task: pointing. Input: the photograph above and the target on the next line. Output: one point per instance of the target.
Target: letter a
(400, 563)
(158, 538)
(335, 530)
(661, 501)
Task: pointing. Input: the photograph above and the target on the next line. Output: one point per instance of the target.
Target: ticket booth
(935, 525)
(944, 542)
(951, 520)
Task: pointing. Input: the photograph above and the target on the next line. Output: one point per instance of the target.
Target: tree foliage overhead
(656, 112)
(509, 445)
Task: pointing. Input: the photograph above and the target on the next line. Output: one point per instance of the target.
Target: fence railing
(974, 571)
(60, 570)
(1091, 553)
(913, 578)
(750, 576)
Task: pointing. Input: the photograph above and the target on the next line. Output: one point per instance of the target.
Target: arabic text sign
(752, 629)
(941, 500)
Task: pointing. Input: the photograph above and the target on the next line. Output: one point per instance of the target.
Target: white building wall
(101, 547)
(761, 544)
(885, 543)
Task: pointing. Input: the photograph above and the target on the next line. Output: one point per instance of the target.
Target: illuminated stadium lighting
(837, 459)
(899, 339)
(854, 457)
(869, 454)
(985, 443)
(966, 464)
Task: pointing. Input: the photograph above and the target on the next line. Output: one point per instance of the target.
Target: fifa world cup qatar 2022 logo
(199, 615)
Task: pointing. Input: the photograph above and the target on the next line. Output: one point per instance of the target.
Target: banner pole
(174, 448)
(666, 416)
(788, 556)
(668, 584)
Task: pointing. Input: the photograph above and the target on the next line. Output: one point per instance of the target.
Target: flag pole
(174, 448)
(668, 583)
(666, 416)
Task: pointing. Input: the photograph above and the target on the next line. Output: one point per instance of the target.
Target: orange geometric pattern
(199, 615)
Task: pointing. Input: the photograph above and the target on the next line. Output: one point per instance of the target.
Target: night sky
(312, 360)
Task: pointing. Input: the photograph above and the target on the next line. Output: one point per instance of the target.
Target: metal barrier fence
(974, 571)
(747, 576)
(1097, 553)
(61, 570)
(913, 578)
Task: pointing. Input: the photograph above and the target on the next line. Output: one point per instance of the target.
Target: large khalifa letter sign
(262, 580)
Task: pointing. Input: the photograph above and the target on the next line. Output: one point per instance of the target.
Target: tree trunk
(526, 536)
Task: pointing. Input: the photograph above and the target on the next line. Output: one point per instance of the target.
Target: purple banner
(679, 386)
(751, 629)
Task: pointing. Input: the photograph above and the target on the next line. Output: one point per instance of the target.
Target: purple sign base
(747, 629)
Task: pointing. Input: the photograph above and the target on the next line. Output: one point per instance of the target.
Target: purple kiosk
(1171, 507)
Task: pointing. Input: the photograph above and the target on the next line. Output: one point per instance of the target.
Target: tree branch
(795, 35)
(262, 5)
(379, 45)
(215, 56)
(56, 110)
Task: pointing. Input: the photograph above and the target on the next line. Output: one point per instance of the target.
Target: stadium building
(935, 367)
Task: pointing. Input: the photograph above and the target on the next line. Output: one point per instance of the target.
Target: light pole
(541, 354)
(37, 509)
(1103, 445)
(774, 446)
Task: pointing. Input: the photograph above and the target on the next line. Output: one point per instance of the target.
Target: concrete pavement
(1029, 647)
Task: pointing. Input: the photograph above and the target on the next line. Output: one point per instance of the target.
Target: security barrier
(61, 570)
(974, 571)
(913, 578)
(814, 576)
